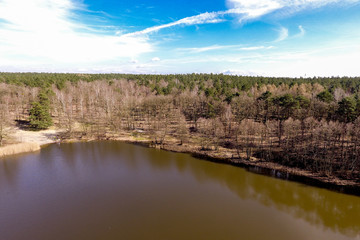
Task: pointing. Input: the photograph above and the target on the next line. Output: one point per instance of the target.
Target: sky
(281, 38)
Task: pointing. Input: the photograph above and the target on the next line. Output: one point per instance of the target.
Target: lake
(113, 190)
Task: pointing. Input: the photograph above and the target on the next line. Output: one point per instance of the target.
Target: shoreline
(279, 171)
(36, 140)
(29, 141)
(261, 167)
(19, 148)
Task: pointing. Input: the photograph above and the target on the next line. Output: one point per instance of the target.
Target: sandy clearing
(40, 137)
(28, 141)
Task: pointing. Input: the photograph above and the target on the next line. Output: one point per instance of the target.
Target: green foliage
(221, 85)
(302, 101)
(347, 110)
(60, 84)
(286, 104)
(266, 96)
(229, 97)
(210, 92)
(358, 106)
(325, 96)
(286, 101)
(39, 113)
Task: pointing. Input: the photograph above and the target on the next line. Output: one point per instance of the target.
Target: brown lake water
(113, 190)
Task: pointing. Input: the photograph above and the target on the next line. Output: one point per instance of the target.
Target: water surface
(112, 190)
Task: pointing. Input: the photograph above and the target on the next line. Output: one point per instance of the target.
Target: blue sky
(245, 37)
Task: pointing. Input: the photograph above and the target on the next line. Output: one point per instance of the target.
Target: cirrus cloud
(257, 8)
(245, 10)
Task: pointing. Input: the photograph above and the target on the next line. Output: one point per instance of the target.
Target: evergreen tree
(325, 96)
(39, 113)
(347, 110)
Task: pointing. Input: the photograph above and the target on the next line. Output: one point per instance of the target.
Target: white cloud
(212, 17)
(222, 47)
(252, 9)
(336, 59)
(204, 49)
(245, 10)
(255, 48)
(47, 35)
(301, 33)
(44, 31)
(325, 61)
(241, 72)
(283, 34)
(257, 8)
(155, 59)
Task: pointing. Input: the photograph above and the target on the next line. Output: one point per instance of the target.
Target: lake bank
(30, 141)
(274, 170)
(226, 156)
(19, 148)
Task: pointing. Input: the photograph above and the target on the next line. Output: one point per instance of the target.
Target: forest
(307, 123)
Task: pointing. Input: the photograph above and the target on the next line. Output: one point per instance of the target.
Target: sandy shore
(28, 141)
(40, 137)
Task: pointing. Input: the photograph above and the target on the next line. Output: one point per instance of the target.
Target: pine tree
(39, 113)
(347, 110)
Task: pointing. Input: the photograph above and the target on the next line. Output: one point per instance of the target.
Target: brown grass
(18, 148)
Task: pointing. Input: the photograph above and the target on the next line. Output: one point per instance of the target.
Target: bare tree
(5, 114)
(181, 128)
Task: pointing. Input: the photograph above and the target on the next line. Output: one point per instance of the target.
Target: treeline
(312, 124)
(211, 84)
